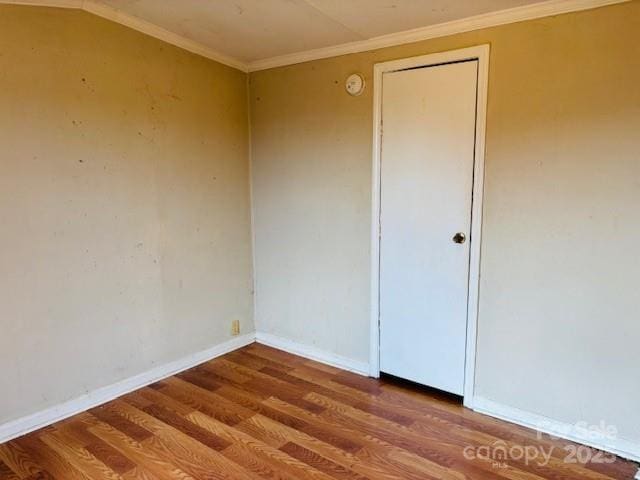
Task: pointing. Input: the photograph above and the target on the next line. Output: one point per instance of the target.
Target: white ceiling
(251, 30)
(257, 34)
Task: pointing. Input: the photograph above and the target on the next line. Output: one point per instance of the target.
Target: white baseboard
(35, 421)
(618, 446)
(313, 353)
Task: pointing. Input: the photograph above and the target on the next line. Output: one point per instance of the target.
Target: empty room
(319, 239)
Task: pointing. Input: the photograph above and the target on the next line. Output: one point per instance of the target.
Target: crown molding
(493, 19)
(160, 33)
(115, 15)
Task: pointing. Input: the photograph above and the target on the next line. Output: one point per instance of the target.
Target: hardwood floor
(261, 413)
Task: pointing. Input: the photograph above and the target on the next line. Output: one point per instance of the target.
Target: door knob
(459, 237)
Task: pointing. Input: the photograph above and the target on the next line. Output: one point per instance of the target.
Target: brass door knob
(459, 237)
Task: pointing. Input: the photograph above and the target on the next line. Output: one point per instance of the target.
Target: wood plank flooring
(259, 413)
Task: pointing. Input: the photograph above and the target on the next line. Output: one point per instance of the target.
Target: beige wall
(124, 205)
(558, 323)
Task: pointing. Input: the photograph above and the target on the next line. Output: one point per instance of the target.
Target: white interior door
(427, 157)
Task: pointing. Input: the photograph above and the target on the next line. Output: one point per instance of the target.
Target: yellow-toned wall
(558, 322)
(124, 205)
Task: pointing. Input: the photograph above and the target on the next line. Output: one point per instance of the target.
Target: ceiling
(257, 34)
(251, 30)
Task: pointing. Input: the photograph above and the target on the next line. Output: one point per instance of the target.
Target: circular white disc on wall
(354, 84)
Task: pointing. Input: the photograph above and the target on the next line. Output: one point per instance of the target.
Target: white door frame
(480, 53)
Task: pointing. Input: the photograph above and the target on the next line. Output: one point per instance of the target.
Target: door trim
(481, 54)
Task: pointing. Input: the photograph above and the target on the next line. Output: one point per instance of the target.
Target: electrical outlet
(235, 327)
